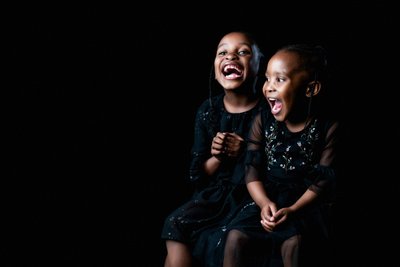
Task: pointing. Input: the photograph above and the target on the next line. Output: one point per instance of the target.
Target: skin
(232, 64)
(287, 89)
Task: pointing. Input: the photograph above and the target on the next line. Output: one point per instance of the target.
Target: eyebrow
(243, 43)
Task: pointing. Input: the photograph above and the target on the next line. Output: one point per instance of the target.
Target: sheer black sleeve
(201, 149)
(323, 174)
(255, 151)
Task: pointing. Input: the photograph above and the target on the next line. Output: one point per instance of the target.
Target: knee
(236, 239)
(290, 250)
(291, 244)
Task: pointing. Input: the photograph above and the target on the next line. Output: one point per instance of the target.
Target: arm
(254, 169)
(268, 207)
(200, 152)
(211, 165)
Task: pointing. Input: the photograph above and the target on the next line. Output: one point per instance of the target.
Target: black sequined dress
(205, 219)
(289, 163)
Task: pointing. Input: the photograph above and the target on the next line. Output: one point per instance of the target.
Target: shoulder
(328, 127)
(328, 123)
(209, 103)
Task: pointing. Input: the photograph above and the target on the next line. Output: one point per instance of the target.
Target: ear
(313, 88)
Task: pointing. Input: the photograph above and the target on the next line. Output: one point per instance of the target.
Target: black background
(101, 113)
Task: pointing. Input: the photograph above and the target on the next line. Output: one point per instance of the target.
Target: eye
(244, 52)
(222, 53)
(280, 79)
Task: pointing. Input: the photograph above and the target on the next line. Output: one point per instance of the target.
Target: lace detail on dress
(281, 145)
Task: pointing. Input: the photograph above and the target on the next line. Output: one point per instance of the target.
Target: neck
(298, 126)
(237, 103)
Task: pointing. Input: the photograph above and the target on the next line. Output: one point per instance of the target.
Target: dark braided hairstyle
(258, 65)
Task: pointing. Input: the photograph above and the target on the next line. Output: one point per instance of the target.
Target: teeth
(271, 98)
(230, 67)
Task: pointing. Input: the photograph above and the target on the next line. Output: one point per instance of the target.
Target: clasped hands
(271, 217)
(226, 144)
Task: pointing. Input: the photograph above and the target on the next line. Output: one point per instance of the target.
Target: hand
(233, 144)
(268, 220)
(226, 144)
(218, 145)
(270, 223)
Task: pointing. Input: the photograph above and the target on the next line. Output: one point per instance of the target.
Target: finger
(266, 216)
(266, 226)
(221, 136)
(234, 140)
(234, 136)
(281, 220)
(217, 147)
(270, 224)
(273, 210)
(217, 140)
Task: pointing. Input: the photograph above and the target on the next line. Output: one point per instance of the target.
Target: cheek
(265, 89)
(218, 76)
(216, 67)
(288, 100)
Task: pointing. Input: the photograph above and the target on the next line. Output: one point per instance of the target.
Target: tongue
(276, 108)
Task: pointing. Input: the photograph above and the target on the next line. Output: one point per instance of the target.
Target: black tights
(290, 251)
(237, 246)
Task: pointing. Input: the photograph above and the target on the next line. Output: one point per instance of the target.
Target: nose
(231, 56)
(268, 87)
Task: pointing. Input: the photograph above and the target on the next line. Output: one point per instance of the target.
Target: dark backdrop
(101, 112)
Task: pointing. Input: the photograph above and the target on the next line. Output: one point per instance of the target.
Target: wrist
(219, 157)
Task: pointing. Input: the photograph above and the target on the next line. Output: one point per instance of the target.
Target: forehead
(287, 61)
(235, 38)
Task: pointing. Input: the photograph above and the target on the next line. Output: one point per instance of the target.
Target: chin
(280, 117)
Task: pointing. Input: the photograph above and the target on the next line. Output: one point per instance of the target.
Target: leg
(234, 248)
(290, 251)
(178, 255)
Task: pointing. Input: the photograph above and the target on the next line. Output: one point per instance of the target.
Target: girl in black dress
(195, 232)
(290, 162)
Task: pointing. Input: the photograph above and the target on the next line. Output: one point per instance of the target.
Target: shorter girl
(290, 159)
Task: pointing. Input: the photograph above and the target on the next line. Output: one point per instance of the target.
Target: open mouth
(232, 71)
(276, 105)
